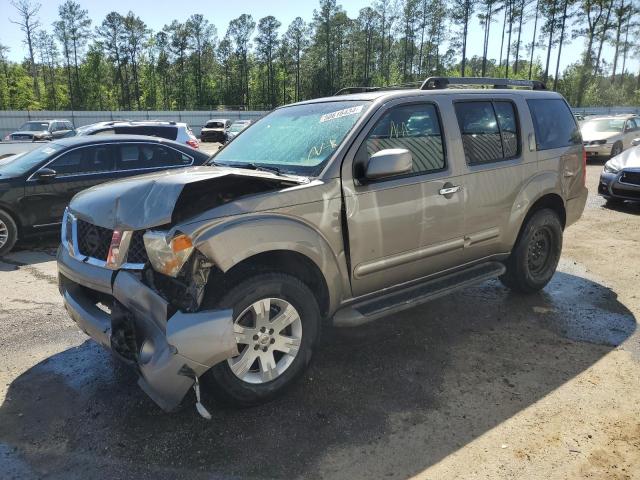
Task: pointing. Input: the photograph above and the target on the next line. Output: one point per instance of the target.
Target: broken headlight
(167, 255)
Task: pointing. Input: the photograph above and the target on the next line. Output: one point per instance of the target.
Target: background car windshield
(34, 126)
(298, 139)
(236, 127)
(604, 125)
(21, 164)
(214, 125)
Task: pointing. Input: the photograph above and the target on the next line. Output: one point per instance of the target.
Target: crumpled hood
(151, 200)
(630, 158)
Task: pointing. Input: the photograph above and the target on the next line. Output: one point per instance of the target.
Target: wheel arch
(279, 261)
(278, 244)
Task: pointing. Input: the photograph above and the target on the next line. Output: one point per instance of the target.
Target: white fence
(10, 120)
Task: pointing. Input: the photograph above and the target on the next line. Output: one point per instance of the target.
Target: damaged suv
(342, 209)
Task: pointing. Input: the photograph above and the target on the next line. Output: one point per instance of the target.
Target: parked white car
(609, 136)
(177, 131)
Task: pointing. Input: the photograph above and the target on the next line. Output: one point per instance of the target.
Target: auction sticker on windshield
(341, 113)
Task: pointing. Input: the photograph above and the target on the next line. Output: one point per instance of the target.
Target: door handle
(450, 190)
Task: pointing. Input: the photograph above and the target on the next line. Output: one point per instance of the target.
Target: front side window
(20, 164)
(98, 159)
(298, 139)
(412, 127)
(555, 125)
(489, 131)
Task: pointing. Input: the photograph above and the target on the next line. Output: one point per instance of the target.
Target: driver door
(76, 170)
(403, 227)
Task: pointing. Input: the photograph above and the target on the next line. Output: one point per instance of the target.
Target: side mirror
(45, 175)
(389, 163)
(635, 142)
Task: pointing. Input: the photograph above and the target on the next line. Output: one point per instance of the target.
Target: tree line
(120, 63)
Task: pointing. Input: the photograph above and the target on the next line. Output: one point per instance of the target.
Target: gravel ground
(483, 384)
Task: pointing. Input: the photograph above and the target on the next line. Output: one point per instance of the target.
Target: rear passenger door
(401, 228)
(492, 151)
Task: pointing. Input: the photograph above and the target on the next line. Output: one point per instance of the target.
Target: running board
(398, 300)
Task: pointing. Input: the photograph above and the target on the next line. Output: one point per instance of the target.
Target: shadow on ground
(416, 386)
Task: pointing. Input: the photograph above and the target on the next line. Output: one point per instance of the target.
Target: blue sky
(157, 13)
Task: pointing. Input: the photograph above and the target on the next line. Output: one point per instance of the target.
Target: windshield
(22, 163)
(34, 126)
(214, 125)
(237, 127)
(297, 139)
(604, 125)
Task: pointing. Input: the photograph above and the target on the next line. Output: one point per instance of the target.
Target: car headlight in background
(610, 168)
(167, 255)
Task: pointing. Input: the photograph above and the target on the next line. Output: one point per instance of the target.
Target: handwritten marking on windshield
(317, 150)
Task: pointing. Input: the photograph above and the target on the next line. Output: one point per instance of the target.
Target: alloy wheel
(268, 334)
(4, 233)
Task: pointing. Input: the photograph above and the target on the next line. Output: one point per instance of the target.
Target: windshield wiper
(260, 168)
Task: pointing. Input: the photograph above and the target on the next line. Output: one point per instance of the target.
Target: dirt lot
(485, 384)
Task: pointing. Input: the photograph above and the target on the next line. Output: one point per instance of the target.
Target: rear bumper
(603, 150)
(575, 206)
(213, 136)
(167, 347)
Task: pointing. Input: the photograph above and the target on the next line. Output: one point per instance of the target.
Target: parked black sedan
(35, 187)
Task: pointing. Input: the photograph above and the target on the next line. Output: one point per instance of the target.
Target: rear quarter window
(554, 124)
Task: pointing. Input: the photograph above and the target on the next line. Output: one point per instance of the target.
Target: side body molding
(229, 243)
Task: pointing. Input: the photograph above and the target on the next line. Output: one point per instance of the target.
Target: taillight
(584, 166)
(193, 143)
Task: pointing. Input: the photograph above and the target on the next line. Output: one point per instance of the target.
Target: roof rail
(399, 86)
(348, 90)
(439, 83)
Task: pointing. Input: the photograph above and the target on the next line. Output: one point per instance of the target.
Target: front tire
(616, 149)
(535, 256)
(277, 324)
(8, 233)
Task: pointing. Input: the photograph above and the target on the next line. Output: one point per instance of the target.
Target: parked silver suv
(341, 209)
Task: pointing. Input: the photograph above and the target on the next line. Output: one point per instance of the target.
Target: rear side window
(170, 133)
(412, 127)
(489, 131)
(139, 156)
(554, 124)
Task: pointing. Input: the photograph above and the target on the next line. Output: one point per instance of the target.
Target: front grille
(93, 241)
(137, 253)
(630, 177)
(21, 137)
(626, 193)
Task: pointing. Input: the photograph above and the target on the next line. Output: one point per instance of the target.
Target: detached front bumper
(168, 347)
(623, 185)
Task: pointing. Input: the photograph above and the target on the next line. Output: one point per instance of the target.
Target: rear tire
(8, 233)
(535, 256)
(271, 357)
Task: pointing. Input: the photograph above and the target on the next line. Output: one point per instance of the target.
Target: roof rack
(439, 83)
(348, 90)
